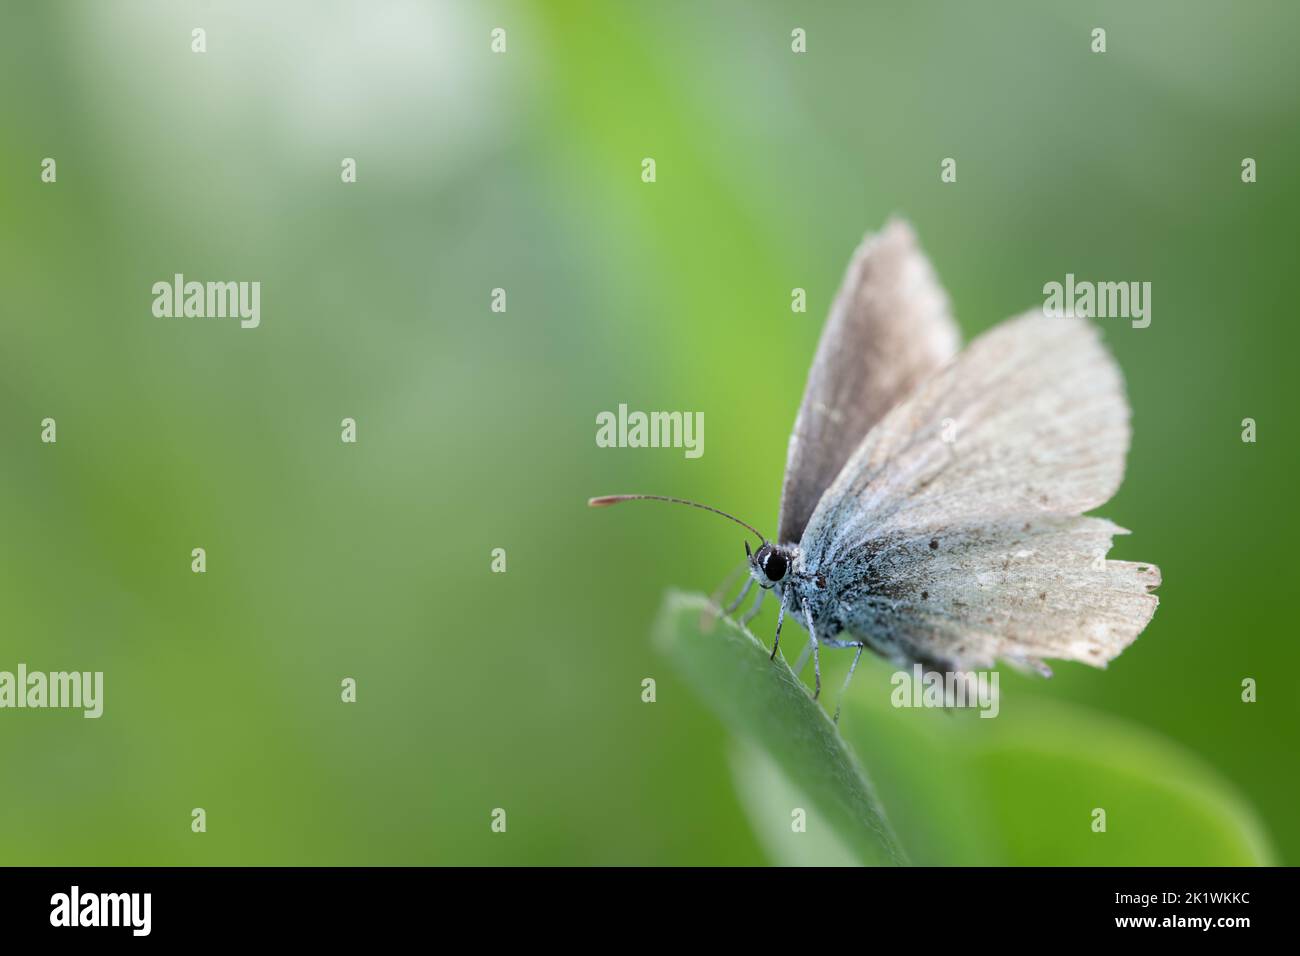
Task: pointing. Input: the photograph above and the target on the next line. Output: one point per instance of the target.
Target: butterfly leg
(780, 617)
(817, 661)
(744, 592)
(845, 689)
(753, 611)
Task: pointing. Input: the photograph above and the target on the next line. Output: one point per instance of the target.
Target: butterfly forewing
(888, 329)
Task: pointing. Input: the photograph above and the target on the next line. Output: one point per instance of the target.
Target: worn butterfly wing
(953, 536)
(888, 329)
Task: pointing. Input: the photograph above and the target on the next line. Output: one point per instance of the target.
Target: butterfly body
(847, 605)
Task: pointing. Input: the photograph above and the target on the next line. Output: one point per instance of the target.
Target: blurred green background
(476, 429)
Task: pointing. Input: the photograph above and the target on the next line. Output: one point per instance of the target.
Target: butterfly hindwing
(953, 535)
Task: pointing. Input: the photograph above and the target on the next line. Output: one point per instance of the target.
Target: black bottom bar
(369, 904)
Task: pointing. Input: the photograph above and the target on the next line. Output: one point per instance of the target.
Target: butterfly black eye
(775, 566)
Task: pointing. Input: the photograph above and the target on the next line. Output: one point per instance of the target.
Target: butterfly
(933, 502)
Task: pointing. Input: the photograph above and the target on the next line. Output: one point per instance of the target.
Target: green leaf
(769, 798)
(956, 788)
(764, 703)
(1023, 788)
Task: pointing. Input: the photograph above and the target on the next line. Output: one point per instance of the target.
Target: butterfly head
(769, 565)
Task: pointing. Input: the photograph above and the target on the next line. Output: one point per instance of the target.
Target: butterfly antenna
(615, 499)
